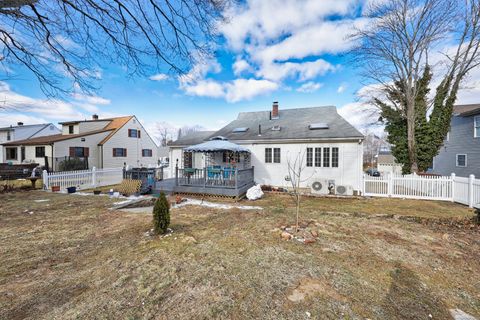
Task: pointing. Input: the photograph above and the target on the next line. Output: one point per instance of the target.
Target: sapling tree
(296, 167)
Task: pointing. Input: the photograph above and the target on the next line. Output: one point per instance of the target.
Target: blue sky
(289, 51)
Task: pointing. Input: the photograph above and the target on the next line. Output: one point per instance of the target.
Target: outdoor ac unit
(344, 190)
(319, 186)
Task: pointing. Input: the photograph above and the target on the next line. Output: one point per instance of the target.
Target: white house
(22, 132)
(103, 143)
(331, 148)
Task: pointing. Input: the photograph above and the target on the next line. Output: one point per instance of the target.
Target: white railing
(447, 188)
(82, 179)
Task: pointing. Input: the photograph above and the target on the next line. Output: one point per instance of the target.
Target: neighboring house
(386, 163)
(22, 132)
(460, 153)
(330, 146)
(163, 154)
(103, 143)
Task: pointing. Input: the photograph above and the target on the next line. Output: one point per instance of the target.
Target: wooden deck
(230, 183)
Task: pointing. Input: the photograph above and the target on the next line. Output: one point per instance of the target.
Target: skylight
(238, 130)
(276, 128)
(317, 126)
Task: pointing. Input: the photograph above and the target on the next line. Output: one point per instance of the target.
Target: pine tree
(161, 214)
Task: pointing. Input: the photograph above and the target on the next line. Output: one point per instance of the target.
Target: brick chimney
(275, 110)
(95, 117)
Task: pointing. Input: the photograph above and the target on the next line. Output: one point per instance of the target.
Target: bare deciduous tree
(71, 39)
(394, 49)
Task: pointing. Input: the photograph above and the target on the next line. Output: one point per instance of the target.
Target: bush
(161, 214)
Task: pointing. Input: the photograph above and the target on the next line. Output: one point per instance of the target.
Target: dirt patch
(309, 287)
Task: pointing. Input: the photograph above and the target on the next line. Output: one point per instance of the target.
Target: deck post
(176, 173)
(235, 172)
(204, 177)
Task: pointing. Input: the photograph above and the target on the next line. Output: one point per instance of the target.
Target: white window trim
(475, 126)
(456, 159)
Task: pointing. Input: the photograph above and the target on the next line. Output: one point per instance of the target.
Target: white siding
(134, 147)
(62, 148)
(30, 154)
(349, 171)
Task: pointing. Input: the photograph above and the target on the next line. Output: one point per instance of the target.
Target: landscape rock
(254, 193)
(285, 235)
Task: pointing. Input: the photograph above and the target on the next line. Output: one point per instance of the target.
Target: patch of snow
(254, 193)
(458, 314)
(195, 202)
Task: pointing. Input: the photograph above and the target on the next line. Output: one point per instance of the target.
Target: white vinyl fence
(83, 179)
(447, 188)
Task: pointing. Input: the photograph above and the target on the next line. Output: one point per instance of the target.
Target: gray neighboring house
(23, 132)
(460, 153)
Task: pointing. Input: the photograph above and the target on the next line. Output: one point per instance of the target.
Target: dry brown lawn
(72, 258)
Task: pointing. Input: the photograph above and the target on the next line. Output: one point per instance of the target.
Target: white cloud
(301, 70)
(273, 36)
(159, 77)
(245, 89)
(309, 87)
(342, 88)
(34, 110)
(205, 88)
(240, 66)
(258, 21)
(232, 91)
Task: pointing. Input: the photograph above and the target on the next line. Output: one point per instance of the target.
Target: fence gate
(447, 188)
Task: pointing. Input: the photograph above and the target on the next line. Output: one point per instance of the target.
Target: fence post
(45, 179)
(471, 178)
(94, 177)
(390, 185)
(453, 186)
(364, 183)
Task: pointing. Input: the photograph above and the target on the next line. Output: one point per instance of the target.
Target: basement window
(318, 126)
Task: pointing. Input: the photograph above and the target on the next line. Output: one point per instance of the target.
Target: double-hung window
(318, 157)
(119, 152)
(309, 157)
(335, 157)
(147, 152)
(276, 155)
(133, 133)
(39, 152)
(326, 157)
(268, 155)
(461, 160)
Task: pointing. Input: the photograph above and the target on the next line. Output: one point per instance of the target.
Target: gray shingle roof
(192, 138)
(294, 124)
(466, 109)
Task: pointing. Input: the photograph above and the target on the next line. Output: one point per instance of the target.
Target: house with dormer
(330, 148)
(83, 144)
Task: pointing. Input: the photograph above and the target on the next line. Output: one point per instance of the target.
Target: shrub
(161, 214)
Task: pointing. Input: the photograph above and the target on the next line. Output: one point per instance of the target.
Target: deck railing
(213, 178)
